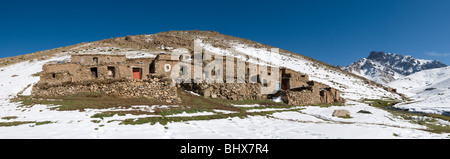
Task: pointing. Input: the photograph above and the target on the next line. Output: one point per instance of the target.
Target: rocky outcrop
(364, 112)
(341, 113)
(403, 64)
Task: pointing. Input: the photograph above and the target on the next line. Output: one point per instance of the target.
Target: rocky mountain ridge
(387, 67)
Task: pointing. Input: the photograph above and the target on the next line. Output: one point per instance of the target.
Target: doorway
(94, 72)
(137, 73)
(285, 83)
(112, 72)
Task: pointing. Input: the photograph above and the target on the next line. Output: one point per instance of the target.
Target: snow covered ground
(283, 125)
(429, 89)
(301, 122)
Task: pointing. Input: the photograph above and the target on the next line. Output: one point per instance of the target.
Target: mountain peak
(386, 67)
(376, 55)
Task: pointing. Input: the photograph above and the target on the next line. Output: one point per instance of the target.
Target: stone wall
(159, 89)
(292, 79)
(84, 68)
(57, 73)
(300, 97)
(72, 72)
(232, 91)
(310, 96)
(146, 60)
(160, 67)
(88, 59)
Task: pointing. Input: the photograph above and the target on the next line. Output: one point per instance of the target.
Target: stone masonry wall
(311, 96)
(87, 59)
(232, 91)
(305, 97)
(155, 89)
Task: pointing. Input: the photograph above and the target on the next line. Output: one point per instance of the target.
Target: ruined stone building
(101, 67)
(124, 77)
(110, 74)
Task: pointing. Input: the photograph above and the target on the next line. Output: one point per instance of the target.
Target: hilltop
(352, 86)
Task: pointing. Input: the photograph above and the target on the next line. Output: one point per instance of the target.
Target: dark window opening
(112, 72)
(95, 59)
(265, 83)
(258, 79)
(107, 59)
(152, 67)
(54, 75)
(181, 71)
(287, 75)
(94, 73)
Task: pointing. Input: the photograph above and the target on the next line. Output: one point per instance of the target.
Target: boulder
(341, 113)
(207, 93)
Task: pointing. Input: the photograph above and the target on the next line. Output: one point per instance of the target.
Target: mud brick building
(101, 67)
(110, 74)
(150, 77)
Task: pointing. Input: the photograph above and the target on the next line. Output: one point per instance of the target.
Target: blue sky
(338, 32)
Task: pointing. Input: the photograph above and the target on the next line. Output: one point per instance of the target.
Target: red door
(136, 73)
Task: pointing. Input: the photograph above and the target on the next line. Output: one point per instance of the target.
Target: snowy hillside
(429, 88)
(387, 67)
(296, 122)
(350, 86)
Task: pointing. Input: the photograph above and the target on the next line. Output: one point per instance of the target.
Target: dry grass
(9, 117)
(17, 123)
(426, 119)
(83, 101)
(190, 104)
